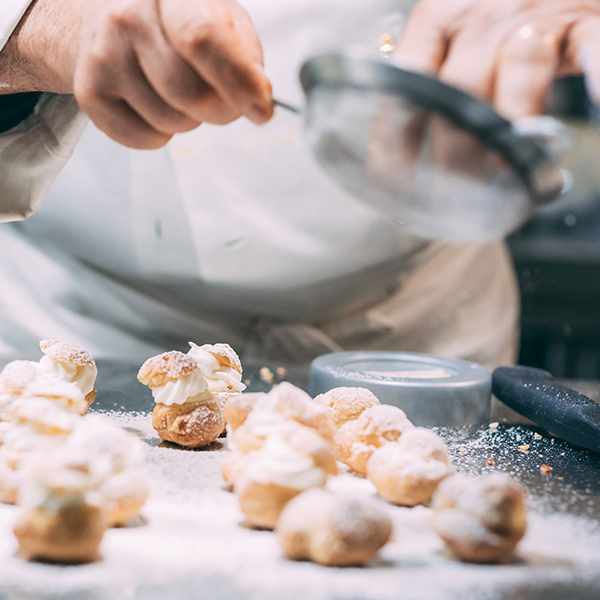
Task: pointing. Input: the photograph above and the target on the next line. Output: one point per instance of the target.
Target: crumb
(494, 426)
(562, 453)
(518, 438)
(281, 372)
(490, 462)
(247, 382)
(552, 440)
(537, 436)
(541, 455)
(462, 450)
(524, 449)
(266, 374)
(546, 470)
(560, 478)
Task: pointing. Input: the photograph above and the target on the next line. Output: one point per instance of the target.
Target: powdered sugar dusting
(68, 352)
(16, 375)
(168, 366)
(193, 546)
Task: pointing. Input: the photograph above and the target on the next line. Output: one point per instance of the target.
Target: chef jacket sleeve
(38, 133)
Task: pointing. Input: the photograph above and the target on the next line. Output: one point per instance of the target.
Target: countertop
(192, 542)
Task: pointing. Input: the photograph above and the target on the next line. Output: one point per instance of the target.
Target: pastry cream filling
(185, 389)
(84, 376)
(277, 462)
(220, 379)
(266, 417)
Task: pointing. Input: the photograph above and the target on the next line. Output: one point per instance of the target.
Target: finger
(424, 42)
(121, 123)
(142, 98)
(178, 84)
(208, 38)
(526, 68)
(583, 54)
(469, 62)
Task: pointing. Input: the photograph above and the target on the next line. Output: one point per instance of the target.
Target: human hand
(144, 70)
(505, 51)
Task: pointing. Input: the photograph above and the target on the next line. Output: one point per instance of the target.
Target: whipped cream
(64, 394)
(84, 376)
(109, 448)
(185, 389)
(266, 417)
(55, 481)
(277, 462)
(219, 378)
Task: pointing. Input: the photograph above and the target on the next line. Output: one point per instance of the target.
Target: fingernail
(258, 113)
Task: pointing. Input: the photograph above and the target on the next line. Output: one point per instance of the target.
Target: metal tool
(435, 158)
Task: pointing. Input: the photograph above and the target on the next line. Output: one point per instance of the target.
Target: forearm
(39, 55)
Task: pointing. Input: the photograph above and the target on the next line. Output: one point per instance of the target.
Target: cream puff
(71, 362)
(357, 439)
(480, 520)
(116, 463)
(39, 425)
(239, 407)
(221, 367)
(332, 529)
(408, 471)
(283, 403)
(347, 403)
(292, 460)
(67, 396)
(186, 411)
(14, 378)
(61, 522)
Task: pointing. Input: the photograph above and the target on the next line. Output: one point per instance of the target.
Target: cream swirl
(219, 378)
(185, 389)
(266, 417)
(84, 376)
(277, 462)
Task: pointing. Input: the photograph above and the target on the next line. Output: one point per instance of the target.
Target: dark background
(557, 254)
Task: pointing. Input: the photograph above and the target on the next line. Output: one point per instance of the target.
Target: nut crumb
(560, 478)
(281, 372)
(562, 453)
(552, 440)
(537, 436)
(266, 374)
(462, 450)
(518, 438)
(546, 470)
(246, 382)
(494, 426)
(490, 462)
(524, 449)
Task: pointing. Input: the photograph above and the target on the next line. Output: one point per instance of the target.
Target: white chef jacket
(233, 234)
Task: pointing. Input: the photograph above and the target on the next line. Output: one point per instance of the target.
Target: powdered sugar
(68, 352)
(193, 545)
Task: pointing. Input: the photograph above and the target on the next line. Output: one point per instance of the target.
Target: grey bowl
(433, 391)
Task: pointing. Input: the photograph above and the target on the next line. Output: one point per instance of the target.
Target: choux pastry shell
(347, 403)
(480, 520)
(408, 471)
(357, 439)
(333, 529)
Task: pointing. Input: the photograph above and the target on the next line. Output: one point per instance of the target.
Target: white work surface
(193, 544)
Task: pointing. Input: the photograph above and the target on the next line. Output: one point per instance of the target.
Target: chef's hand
(144, 70)
(507, 51)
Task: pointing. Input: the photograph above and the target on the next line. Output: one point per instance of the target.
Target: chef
(232, 233)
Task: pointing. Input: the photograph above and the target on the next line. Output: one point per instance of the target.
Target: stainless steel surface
(413, 383)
